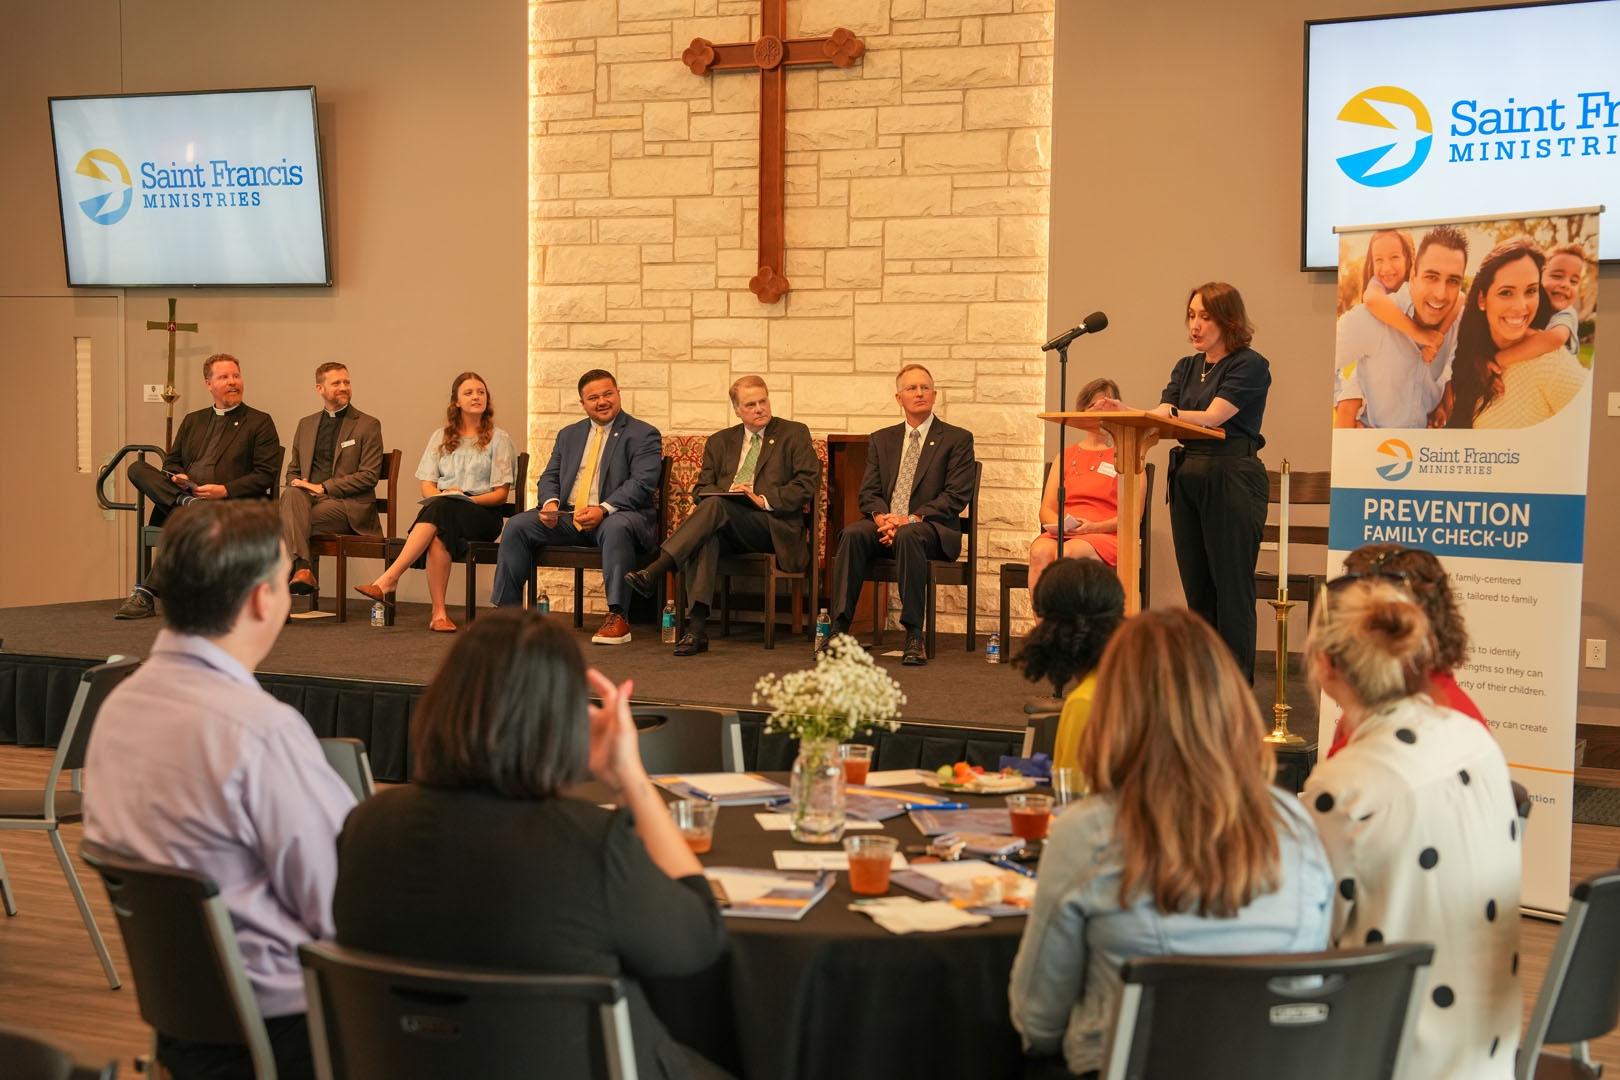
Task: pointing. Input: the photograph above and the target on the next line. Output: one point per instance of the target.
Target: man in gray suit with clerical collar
(332, 475)
(758, 479)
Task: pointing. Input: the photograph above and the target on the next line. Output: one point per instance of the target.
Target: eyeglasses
(1377, 570)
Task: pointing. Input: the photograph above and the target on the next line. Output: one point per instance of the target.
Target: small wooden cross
(169, 392)
(772, 56)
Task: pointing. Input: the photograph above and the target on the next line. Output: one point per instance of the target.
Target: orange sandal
(443, 626)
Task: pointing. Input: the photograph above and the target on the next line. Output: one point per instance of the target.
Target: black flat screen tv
(1482, 112)
(212, 188)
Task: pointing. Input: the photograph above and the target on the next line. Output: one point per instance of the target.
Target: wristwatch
(1174, 412)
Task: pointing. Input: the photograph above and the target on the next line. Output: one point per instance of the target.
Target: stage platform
(354, 679)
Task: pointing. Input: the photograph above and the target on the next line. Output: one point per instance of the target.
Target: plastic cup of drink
(869, 859)
(1068, 785)
(856, 759)
(695, 819)
(1031, 815)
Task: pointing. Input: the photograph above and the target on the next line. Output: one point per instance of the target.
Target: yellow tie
(587, 476)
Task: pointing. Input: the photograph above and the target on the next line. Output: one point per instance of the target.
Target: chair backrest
(388, 504)
(1304, 489)
(25, 1056)
(688, 739)
(274, 492)
(969, 521)
(1040, 730)
(661, 497)
(189, 979)
(685, 454)
(520, 481)
(1341, 1015)
(374, 1017)
(349, 760)
(95, 683)
(1580, 996)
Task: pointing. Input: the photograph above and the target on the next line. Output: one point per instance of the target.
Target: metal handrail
(112, 465)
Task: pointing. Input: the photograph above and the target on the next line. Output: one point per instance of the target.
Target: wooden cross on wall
(170, 394)
(772, 56)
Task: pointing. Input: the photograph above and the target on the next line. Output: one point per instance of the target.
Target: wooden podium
(1134, 433)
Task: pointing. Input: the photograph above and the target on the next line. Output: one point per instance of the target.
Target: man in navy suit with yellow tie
(599, 488)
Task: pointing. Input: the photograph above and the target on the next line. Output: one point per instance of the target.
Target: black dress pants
(159, 490)
(289, 1044)
(720, 525)
(1217, 513)
(858, 545)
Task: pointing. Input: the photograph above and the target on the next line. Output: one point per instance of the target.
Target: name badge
(1106, 468)
(347, 442)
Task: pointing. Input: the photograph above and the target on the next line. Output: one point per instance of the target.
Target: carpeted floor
(957, 687)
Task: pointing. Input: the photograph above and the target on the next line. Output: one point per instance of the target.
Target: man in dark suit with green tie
(919, 477)
(758, 480)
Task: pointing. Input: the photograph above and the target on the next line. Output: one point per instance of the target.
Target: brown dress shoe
(615, 630)
(302, 583)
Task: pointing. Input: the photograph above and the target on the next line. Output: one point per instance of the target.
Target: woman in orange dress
(1090, 494)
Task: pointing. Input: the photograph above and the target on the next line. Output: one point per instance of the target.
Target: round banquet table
(834, 995)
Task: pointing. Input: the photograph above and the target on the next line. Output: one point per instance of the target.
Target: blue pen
(938, 806)
(1006, 864)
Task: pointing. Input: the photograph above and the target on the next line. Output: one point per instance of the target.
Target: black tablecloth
(836, 996)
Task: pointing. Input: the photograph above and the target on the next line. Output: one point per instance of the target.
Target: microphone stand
(1063, 402)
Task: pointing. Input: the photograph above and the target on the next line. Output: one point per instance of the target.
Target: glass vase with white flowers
(843, 695)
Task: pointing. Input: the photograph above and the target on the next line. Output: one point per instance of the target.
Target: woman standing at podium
(1217, 488)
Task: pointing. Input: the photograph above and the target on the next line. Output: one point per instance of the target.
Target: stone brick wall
(917, 220)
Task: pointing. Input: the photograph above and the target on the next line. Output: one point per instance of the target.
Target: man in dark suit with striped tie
(919, 476)
(757, 481)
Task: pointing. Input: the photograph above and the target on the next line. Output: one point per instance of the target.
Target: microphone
(1094, 323)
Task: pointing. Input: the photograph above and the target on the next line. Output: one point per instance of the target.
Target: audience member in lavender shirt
(193, 765)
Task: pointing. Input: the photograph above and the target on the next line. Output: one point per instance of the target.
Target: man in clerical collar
(226, 451)
(332, 475)
(919, 477)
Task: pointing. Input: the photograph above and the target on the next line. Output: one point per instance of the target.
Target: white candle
(1282, 539)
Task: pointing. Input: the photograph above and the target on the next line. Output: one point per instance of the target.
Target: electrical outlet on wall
(1597, 652)
(152, 391)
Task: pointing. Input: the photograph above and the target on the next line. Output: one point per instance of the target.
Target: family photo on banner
(1462, 399)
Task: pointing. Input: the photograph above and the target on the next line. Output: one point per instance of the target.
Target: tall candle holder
(1280, 735)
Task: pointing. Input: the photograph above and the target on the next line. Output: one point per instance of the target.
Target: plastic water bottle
(542, 603)
(992, 650)
(379, 616)
(823, 628)
(666, 623)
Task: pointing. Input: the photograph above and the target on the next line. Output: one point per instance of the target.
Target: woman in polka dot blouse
(1417, 816)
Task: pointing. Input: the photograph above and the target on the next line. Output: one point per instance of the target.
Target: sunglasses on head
(1377, 571)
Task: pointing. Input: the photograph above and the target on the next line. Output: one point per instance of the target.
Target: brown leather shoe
(443, 626)
(615, 630)
(302, 583)
(374, 594)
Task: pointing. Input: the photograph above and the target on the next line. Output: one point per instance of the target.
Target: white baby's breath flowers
(844, 694)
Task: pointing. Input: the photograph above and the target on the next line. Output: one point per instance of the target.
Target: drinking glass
(695, 819)
(856, 758)
(1031, 815)
(869, 859)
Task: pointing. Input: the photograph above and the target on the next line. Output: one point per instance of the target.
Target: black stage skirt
(457, 521)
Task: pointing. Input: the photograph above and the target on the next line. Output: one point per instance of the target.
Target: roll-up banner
(1462, 398)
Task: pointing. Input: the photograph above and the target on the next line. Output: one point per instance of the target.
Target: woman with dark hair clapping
(1080, 603)
(483, 861)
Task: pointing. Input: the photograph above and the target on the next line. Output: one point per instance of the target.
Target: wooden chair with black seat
(582, 557)
(1015, 575)
(1580, 995)
(1340, 1015)
(962, 571)
(330, 544)
(190, 983)
(48, 809)
(375, 1017)
(27, 1056)
(478, 551)
(763, 566)
(1304, 489)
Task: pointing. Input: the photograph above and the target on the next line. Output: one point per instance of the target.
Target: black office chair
(374, 1017)
(1040, 730)
(25, 1056)
(688, 739)
(1339, 1015)
(47, 809)
(1580, 997)
(189, 979)
(349, 760)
